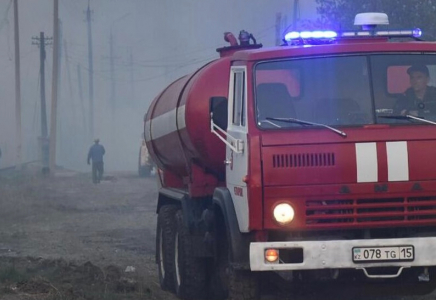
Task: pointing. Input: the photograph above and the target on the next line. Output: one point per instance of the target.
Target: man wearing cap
(420, 98)
(96, 153)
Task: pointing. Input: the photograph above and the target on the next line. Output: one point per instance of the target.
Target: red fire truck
(314, 160)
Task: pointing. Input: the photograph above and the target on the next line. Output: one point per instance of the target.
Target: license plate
(383, 254)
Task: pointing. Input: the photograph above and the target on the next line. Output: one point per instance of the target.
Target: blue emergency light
(368, 21)
(329, 36)
(318, 34)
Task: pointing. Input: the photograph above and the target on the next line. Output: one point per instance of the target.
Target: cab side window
(238, 98)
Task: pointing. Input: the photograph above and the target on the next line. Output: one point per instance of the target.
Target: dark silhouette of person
(420, 98)
(95, 154)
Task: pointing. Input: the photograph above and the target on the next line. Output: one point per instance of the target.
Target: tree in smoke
(403, 14)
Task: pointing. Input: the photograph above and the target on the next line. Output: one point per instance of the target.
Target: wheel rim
(161, 256)
(176, 259)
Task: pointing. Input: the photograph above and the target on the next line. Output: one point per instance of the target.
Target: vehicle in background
(145, 164)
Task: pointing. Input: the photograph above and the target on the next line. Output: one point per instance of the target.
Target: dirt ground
(66, 238)
(63, 237)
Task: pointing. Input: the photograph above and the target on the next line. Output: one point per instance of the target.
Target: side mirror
(219, 111)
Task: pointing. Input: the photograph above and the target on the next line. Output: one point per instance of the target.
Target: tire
(227, 282)
(190, 271)
(165, 236)
(219, 283)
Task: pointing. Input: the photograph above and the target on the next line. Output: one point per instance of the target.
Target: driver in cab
(420, 98)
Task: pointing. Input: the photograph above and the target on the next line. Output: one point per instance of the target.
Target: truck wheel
(165, 234)
(219, 282)
(227, 282)
(190, 271)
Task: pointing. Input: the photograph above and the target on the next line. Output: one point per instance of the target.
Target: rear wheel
(190, 271)
(165, 237)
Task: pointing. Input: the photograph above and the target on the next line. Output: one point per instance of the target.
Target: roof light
(386, 33)
(292, 35)
(412, 32)
(363, 33)
(305, 34)
(317, 34)
(348, 34)
(317, 37)
(370, 20)
(417, 32)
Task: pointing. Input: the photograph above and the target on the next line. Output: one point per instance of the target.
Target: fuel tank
(177, 124)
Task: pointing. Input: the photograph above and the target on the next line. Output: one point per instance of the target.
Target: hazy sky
(154, 42)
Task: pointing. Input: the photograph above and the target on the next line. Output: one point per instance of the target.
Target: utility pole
(132, 82)
(278, 29)
(111, 44)
(296, 14)
(17, 88)
(62, 122)
(82, 106)
(54, 94)
(70, 86)
(91, 74)
(59, 44)
(113, 83)
(71, 107)
(43, 140)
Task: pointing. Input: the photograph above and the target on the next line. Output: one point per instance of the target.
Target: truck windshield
(347, 90)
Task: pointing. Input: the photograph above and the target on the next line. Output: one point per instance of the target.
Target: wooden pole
(18, 161)
(91, 74)
(54, 88)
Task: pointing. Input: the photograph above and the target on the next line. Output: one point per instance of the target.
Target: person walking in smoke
(95, 154)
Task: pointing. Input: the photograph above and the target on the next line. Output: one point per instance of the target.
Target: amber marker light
(272, 255)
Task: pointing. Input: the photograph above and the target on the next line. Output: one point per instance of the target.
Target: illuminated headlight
(283, 213)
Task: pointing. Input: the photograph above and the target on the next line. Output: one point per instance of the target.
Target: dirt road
(66, 238)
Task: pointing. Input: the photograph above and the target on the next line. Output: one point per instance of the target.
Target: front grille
(299, 160)
(360, 211)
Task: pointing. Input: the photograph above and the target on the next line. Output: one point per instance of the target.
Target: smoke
(153, 43)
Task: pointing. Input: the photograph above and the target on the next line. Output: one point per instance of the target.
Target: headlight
(283, 213)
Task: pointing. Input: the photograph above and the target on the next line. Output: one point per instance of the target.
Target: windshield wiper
(408, 117)
(269, 122)
(297, 121)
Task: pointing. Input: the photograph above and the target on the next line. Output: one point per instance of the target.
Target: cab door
(237, 156)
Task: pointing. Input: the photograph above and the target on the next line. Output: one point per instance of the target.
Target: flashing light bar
(415, 33)
(318, 34)
(329, 34)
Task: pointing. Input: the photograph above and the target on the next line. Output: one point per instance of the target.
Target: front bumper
(337, 254)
